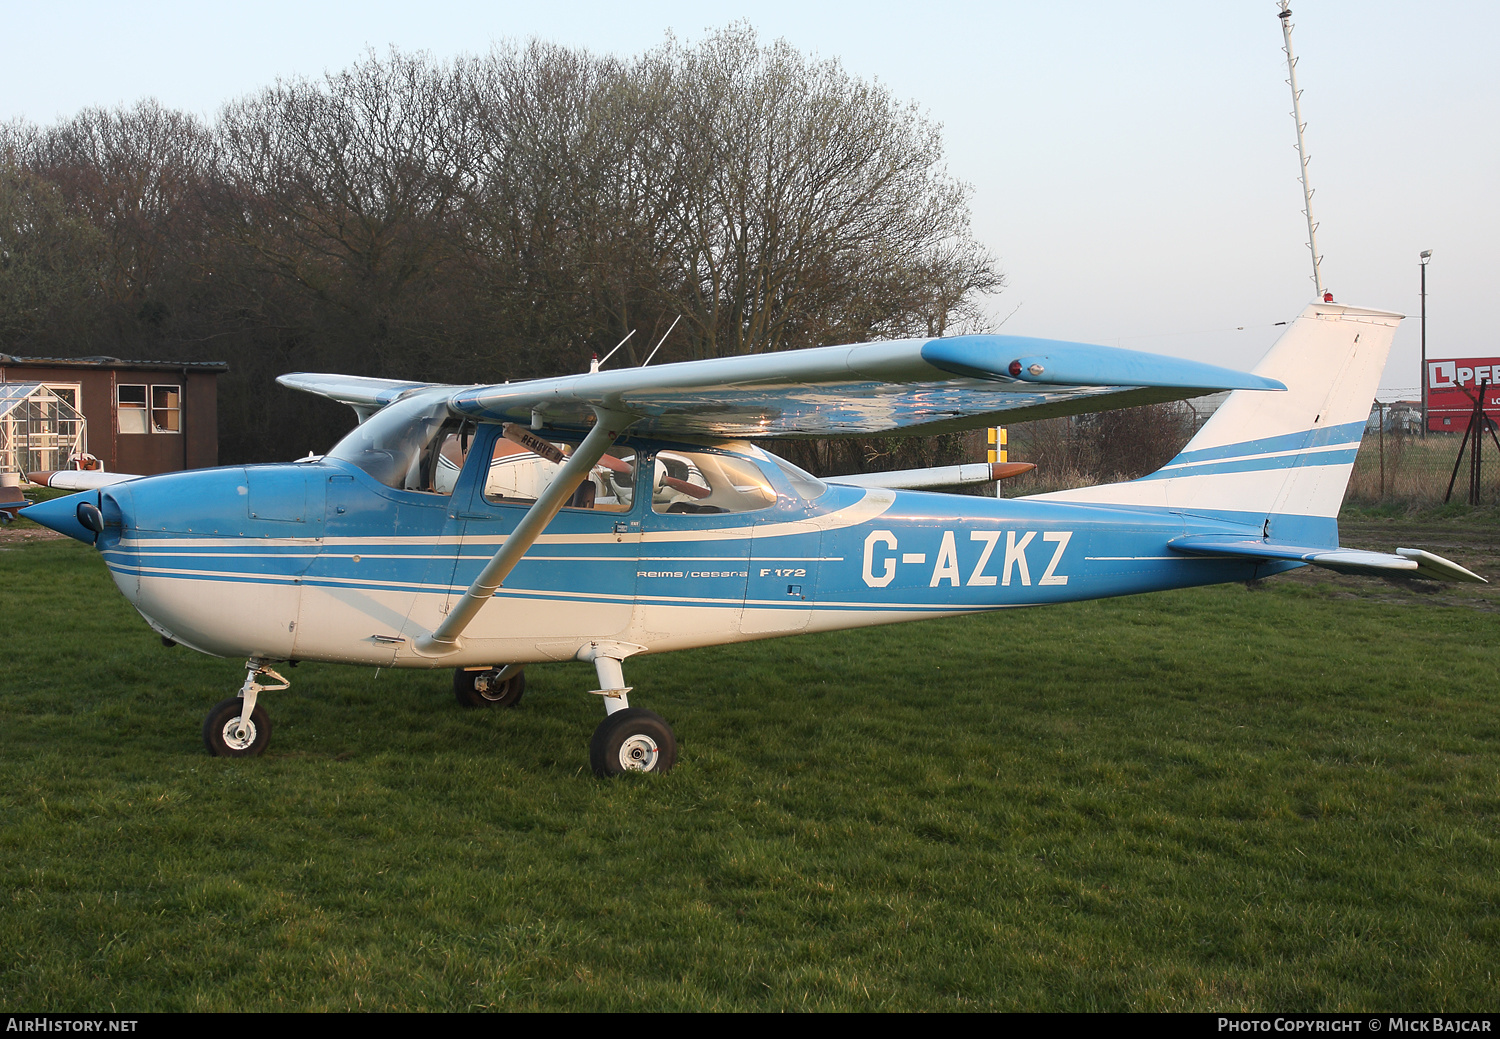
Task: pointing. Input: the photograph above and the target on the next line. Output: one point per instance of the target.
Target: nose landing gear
(239, 727)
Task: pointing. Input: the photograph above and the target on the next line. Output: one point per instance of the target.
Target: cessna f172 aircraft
(599, 516)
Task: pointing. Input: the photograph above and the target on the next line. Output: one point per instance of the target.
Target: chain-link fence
(1402, 468)
(1396, 465)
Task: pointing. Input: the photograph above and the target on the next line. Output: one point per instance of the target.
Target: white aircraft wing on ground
(79, 479)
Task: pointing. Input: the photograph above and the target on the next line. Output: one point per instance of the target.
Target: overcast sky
(1133, 165)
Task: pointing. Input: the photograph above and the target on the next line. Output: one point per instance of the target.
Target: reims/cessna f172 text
(599, 516)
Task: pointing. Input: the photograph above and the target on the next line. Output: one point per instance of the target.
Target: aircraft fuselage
(319, 561)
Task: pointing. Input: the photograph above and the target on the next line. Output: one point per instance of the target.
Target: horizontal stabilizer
(1410, 562)
(1438, 568)
(11, 502)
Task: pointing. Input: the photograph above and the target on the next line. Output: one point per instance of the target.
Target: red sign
(1452, 387)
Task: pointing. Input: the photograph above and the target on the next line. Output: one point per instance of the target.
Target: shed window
(166, 409)
(67, 394)
(131, 401)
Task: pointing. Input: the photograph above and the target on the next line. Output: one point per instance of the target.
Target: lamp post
(1422, 262)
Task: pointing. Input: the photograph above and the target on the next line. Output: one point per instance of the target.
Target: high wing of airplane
(902, 386)
(599, 516)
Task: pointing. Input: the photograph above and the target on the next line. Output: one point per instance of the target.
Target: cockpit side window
(519, 475)
(708, 482)
(444, 458)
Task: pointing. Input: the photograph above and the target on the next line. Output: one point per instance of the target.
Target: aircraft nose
(64, 515)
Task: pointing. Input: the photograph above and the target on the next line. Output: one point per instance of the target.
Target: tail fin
(1281, 459)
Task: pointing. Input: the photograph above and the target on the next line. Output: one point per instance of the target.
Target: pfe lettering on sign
(986, 553)
(1447, 375)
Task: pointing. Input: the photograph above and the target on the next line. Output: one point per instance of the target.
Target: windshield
(389, 445)
(803, 482)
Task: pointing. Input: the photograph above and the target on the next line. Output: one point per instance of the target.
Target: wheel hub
(639, 753)
(239, 733)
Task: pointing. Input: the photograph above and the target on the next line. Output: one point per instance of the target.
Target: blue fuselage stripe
(1304, 440)
(1344, 456)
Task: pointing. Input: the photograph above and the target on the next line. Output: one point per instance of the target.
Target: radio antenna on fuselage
(1307, 193)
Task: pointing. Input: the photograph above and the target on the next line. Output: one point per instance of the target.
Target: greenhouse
(40, 428)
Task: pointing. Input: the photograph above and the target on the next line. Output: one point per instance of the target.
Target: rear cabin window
(707, 482)
(803, 482)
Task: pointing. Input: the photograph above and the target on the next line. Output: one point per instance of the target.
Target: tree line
(486, 218)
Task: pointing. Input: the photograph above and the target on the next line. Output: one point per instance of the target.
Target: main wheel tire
(480, 689)
(220, 734)
(632, 740)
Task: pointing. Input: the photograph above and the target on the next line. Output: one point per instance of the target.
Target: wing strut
(607, 429)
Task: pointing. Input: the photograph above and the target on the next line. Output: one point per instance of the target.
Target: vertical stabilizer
(1274, 454)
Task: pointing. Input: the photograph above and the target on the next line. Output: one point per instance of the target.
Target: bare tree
(493, 217)
(50, 259)
(134, 174)
(339, 190)
(815, 207)
(551, 247)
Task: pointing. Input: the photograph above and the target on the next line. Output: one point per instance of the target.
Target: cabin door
(578, 579)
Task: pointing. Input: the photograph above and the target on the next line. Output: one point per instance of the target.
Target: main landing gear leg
(500, 686)
(239, 727)
(630, 739)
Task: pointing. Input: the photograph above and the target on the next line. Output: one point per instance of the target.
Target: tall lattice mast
(1307, 192)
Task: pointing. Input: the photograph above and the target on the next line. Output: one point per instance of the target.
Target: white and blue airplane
(600, 516)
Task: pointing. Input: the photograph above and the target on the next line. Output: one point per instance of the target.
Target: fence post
(1381, 410)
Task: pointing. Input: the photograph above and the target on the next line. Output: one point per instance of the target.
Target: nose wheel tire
(632, 740)
(226, 736)
(487, 689)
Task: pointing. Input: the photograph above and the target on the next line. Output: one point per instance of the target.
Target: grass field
(1281, 797)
